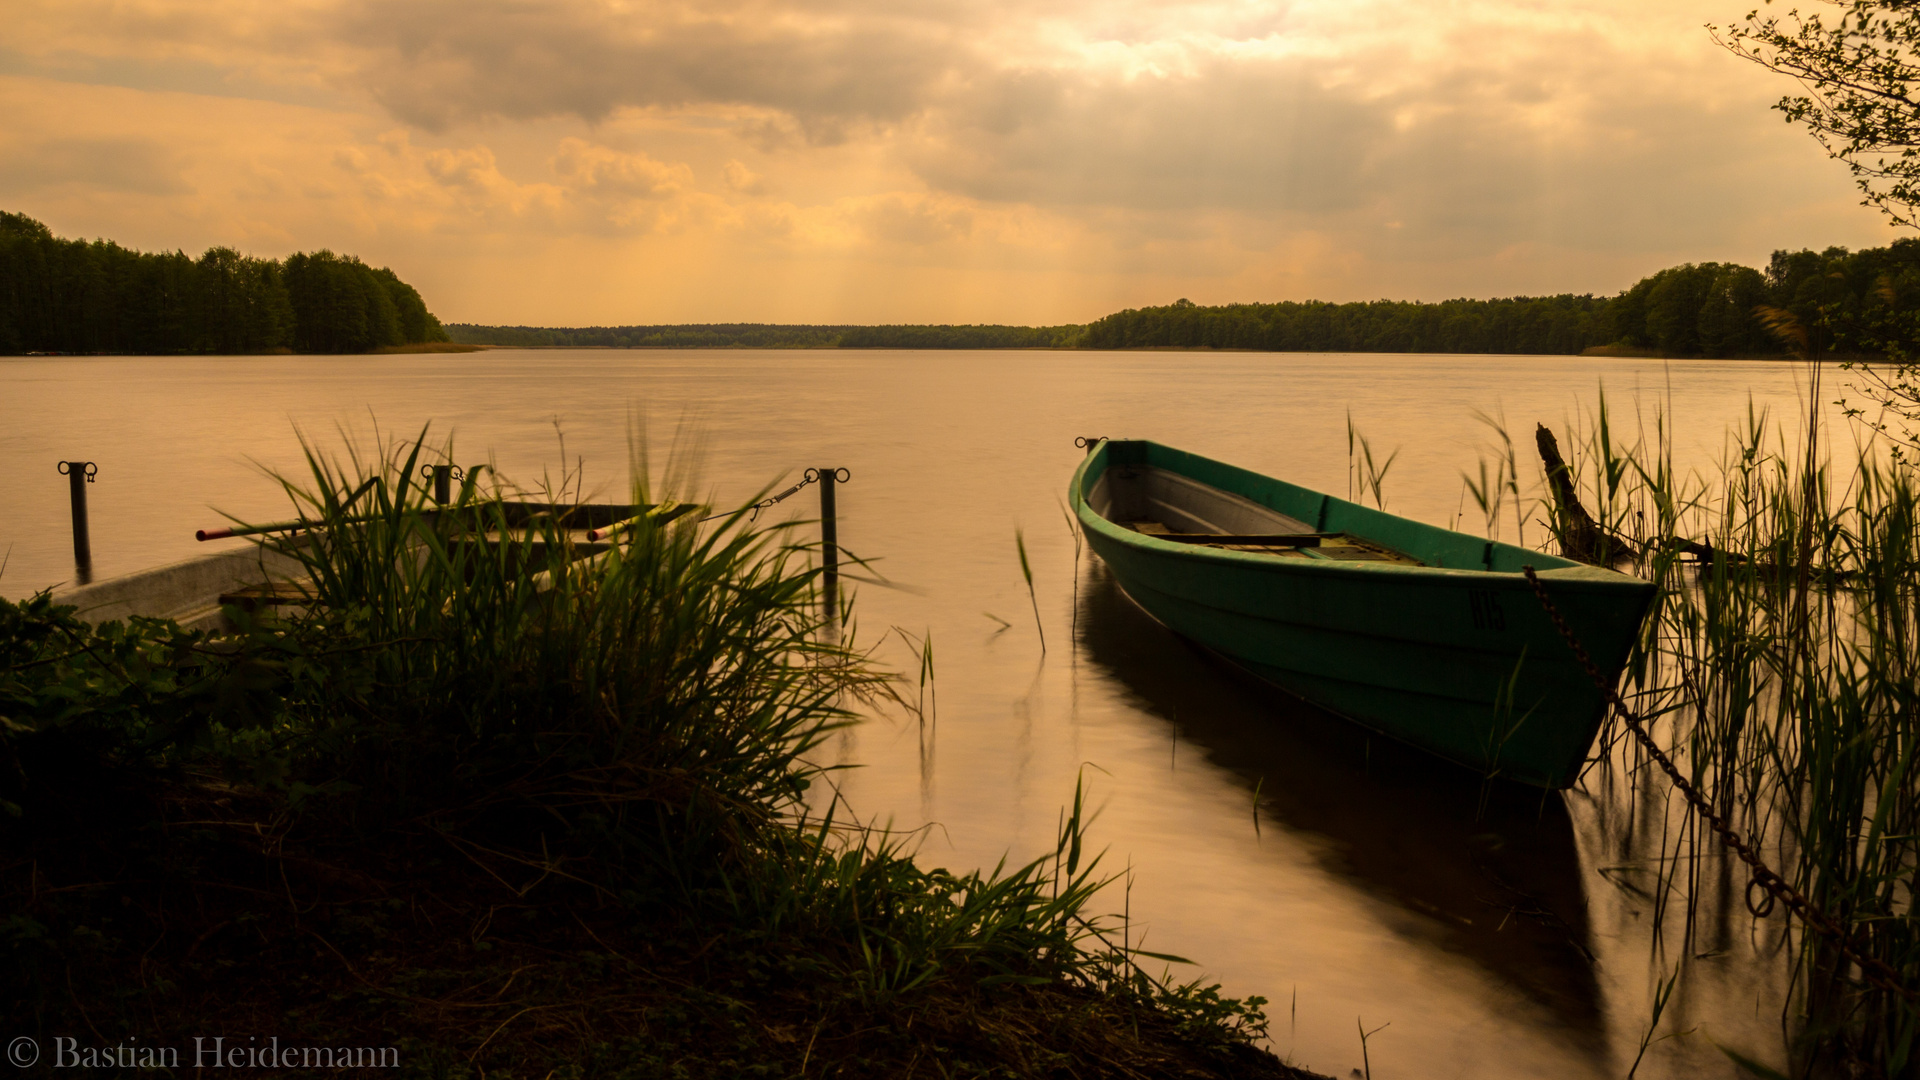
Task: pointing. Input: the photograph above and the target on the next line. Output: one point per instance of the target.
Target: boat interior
(1168, 506)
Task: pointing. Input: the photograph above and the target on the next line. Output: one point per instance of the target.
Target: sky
(595, 162)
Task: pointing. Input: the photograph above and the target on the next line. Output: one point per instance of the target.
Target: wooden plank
(1247, 539)
(268, 594)
(1335, 546)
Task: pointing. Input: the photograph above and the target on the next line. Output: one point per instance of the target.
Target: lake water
(1498, 934)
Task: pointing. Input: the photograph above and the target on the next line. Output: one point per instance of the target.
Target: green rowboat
(1427, 635)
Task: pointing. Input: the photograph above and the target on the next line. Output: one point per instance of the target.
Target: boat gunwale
(1561, 570)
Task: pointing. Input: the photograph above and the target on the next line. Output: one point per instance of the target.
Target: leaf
(1168, 957)
(1751, 1065)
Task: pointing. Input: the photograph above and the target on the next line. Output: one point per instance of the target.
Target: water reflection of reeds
(1780, 673)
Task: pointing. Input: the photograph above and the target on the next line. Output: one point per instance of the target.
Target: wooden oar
(204, 535)
(666, 511)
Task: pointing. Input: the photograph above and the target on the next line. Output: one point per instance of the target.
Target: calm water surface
(1501, 934)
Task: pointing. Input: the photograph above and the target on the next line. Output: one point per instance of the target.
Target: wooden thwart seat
(1340, 547)
(268, 594)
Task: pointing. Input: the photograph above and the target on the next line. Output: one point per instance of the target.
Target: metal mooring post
(830, 538)
(79, 474)
(443, 477)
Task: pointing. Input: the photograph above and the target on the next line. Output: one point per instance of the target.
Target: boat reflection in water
(1493, 867)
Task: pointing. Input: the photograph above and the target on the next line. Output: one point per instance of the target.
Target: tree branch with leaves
(1857, 63)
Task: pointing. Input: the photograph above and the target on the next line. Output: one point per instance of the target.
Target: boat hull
(1459, 660)
(195, 592)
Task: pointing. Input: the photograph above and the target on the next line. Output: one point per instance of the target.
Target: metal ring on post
(841, 475)
(1084, 442)
(811, 476)
(88, 469)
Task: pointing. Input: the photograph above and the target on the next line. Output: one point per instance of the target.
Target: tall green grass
(1365, 477)
(1780, 670)
(657, 704)
(654, 701)
(633, 723)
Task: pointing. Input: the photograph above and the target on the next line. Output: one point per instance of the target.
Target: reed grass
(667, 690)
(1363, 472)
(1501, 488)
(1780, 669)
(1026, 573)
(627, 728)
(664, 695)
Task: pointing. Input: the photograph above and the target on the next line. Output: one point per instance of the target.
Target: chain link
(811, 476)
(1772, 884)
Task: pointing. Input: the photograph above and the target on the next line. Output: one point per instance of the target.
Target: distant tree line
(959, 337)
(1548, 324)
(767, 336)
(1855, 303)
(1846, 302)
(75, 296)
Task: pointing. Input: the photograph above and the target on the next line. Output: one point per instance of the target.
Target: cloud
(909, 221)
(593, 189)
(1119, 149)
(111, 163)
(1266, 136)
(1472, 125)
(744, 180)
(607, 173)
(470, 171)
(437, 63)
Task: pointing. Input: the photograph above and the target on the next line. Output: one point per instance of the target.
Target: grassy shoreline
(439, 951)
(510, 813)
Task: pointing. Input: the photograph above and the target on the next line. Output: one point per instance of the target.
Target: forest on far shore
(76, 296)
(1849, 302)
(1846, 302)
(768, 336)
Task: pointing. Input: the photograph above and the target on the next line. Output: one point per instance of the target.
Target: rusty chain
(811, 476)
(1777, 888)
